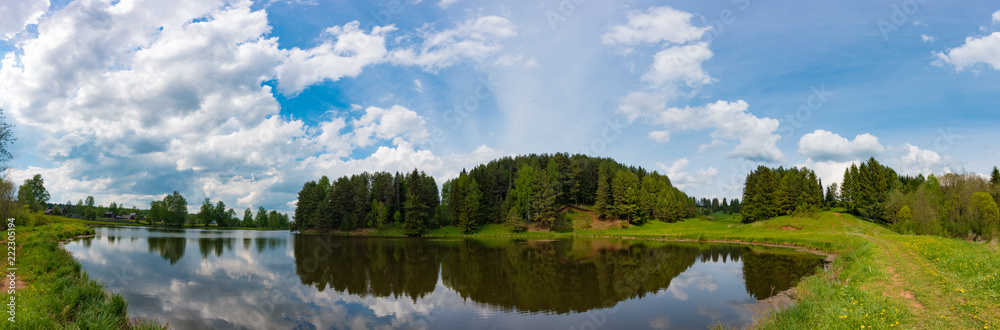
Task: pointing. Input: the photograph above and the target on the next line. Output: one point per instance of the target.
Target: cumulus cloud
(394, 123)
(18, 14)
(822, 145)
(344, 52)
(983, 50)
(683, 179)
(829, 171)
(680, 64)
(660, 136)
(906, 159)
(927, 38)
(727, 121)
(655, 25)
(912, 160)
(133, 101)
(471, 40)
(996, 17)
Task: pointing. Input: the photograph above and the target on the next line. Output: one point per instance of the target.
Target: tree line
(217, 214)
(369, 200)
(709, 206)
(531, 189)
(171, 210)
(771, 192)
(954, 205)
(515, 191)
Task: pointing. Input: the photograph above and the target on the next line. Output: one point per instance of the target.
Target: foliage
(533, 188)
(768, 193)
(33, 194)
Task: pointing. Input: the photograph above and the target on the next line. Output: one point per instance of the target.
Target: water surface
(274, 279)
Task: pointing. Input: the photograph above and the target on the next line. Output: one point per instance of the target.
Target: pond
(277, 280)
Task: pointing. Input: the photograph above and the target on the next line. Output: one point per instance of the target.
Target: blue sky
(245, 101)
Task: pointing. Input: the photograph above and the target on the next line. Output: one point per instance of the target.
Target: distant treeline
(708, 206)
(516, 191)
(956, 205)
(172, 211)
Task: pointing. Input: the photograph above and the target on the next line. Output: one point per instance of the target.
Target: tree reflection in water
(550, 276)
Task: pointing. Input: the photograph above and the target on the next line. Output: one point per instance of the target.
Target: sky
(245, 101)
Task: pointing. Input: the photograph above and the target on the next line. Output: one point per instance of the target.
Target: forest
(954, 205)
(517, 192)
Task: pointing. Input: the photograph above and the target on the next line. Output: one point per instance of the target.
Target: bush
(562, 224)
(24, 217)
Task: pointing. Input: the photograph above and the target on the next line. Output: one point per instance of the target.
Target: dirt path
(910, 282)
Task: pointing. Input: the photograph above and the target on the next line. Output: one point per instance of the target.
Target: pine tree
(469, 213)
(524, 193)
(995, 177)
(604, 201)
(626, 195)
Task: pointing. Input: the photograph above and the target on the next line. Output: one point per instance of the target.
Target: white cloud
(996, 17)
(685, 180)
(829, 171)
(344, 53)
(395, 123)
(823, 145)
(171, 96)
(983, 50)
(640, 103)
(18, 14)
(927, 38)
(418, 85)
(473, 40)
(727, 121)
(660, 136)
(445, 3)
(906, 159)
(680, 64)
(912, 160)
(655, 25)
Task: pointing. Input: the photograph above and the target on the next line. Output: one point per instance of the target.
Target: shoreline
(870, 270)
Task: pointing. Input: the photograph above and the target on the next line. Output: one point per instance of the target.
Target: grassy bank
(52, 292)
(880, 279)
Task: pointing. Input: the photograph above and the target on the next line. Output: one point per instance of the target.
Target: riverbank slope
(51, 291)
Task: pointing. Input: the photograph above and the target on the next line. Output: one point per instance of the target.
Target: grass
(57, 293)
